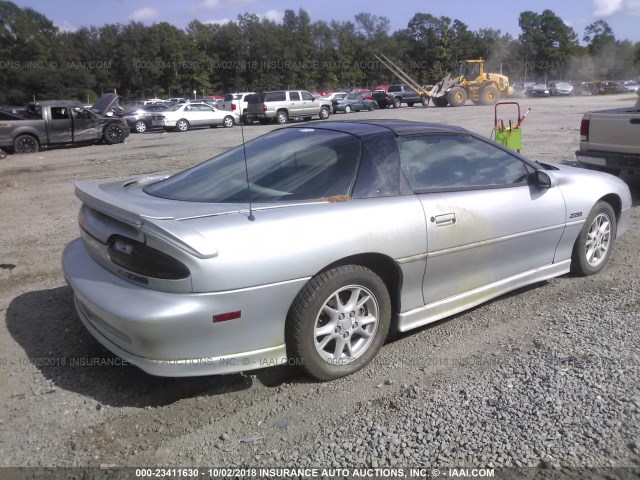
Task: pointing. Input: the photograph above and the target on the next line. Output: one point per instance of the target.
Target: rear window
(285, 165)
(275, 97)
(230, 97)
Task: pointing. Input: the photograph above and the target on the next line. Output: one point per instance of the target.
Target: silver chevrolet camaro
(309, 243)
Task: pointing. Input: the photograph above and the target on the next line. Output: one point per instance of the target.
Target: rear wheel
(114, 133)
(338, 321)
(425, 101)
(25, 144)
(182, 125)
(595, 241)
(489, 95)
(457, 96)
(228, 121)
(140, 126)
(371, 107)
(397, 102)
(282, 117)
(347, 109)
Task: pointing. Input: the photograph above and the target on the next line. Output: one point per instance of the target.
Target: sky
(622, 15)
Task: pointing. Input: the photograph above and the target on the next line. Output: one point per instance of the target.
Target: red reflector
(223, 317)
(584, 129)
(264, 107)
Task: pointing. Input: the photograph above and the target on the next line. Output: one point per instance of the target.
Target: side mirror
(542, 180)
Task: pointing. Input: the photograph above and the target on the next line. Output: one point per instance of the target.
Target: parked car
(60, 122)
(560, 88)
(334, 96)
(365, 92)
(236, 103)
(353, 102)
(629, 86)
(398, 94)
(538, 90)
(608, 87)
(183, 116)
(252, 258)
(139, 118)
(281, 105)
(178, 100)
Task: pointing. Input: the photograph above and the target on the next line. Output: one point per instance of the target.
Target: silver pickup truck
(63, 122)
(610, 140)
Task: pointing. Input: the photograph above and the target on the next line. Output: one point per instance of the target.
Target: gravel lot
(548, 375)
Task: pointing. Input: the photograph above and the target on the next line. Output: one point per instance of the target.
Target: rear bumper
(169, 334)
(612, 161)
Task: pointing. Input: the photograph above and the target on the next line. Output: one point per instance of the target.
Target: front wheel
(595, 241)
(324, 113)
(489, 95)
(397, 102)
(228, 122)
(371, 107)
(114, 133)
(338, 322)
(347, 109)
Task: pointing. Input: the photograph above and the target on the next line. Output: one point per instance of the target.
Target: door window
(457, 162)
(294, 96)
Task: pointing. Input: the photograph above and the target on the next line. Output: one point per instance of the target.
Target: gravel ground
(545, 376)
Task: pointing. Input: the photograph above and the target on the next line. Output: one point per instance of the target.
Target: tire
(3, 154)
(397, 102)
(182, 125)
(113, 134)
(409, 104)
(425, 101)
(324, 113)
(441, 101)
(228, 122)
(327, 303)
(595, 241)
(347, 109)
(140, 127)
(457, 97)
(25, 144)
(371, 107)
(282, 117)
(489, 95)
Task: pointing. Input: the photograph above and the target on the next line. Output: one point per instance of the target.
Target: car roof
(397, 127)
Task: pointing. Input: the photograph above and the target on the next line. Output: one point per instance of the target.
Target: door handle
(444, 219)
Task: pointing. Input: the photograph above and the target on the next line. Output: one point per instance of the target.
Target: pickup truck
(237, 104)
(61, 122)
(282, 105)
(610, 140)
(398, 94)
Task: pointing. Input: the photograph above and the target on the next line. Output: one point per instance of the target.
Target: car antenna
(246, 171)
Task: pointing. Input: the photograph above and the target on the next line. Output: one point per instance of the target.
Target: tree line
(39, 61)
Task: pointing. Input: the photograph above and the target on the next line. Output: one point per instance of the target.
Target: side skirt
(450, 306)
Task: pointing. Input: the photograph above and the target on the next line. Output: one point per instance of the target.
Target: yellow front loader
(472, 83)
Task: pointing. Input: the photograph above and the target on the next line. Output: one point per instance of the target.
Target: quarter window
(458, 162)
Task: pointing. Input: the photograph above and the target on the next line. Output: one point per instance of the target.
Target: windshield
(289, 164)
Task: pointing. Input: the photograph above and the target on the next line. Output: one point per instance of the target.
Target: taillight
(584, 130)
(141, 259)
(264, 107)
(233, 107)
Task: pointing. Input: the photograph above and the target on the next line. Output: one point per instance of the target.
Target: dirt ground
(53, 414)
